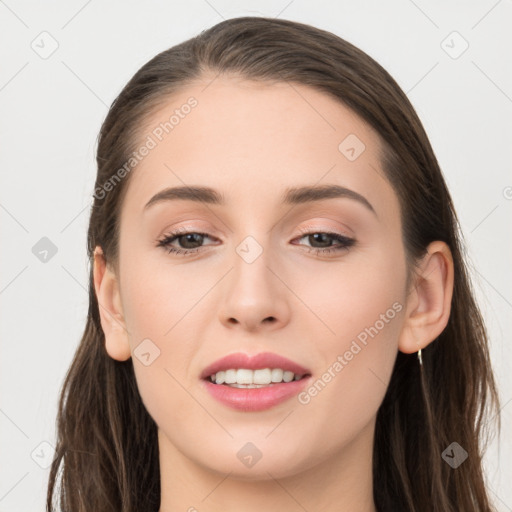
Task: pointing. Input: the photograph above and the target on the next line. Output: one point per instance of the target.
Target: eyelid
(318, 229)
(304, 230)
(308, 228)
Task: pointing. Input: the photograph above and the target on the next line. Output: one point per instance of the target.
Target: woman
(280, 314)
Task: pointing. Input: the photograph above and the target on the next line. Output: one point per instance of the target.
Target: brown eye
(324, 239)
(189, 242)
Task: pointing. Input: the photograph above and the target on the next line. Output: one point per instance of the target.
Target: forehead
(252, 140)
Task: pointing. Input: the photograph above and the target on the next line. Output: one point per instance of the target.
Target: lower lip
(255, 399)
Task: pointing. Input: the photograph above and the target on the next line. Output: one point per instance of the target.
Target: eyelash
(345, 242)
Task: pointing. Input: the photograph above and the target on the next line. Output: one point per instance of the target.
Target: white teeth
(243, 377)
(288, 376)
(277, 375)
(247, 386)
(262, 376)
(230, 377)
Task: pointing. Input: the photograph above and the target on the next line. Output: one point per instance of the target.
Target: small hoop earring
(419, 357)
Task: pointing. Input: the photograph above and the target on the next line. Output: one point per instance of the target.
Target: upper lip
(256, 362)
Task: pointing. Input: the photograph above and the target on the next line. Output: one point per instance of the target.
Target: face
(318, 280)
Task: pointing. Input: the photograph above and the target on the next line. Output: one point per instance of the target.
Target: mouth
(254, 383)
(245, 378)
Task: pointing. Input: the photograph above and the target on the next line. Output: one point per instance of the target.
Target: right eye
(186, 238)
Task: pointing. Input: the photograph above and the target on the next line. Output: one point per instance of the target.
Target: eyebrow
(292, 196)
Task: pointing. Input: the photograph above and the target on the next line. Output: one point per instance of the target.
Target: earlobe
(429, 302)
(110, 308)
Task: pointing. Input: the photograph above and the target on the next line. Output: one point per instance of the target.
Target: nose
(255, 296)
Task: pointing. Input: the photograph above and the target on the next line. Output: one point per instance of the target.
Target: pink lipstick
(254, 383)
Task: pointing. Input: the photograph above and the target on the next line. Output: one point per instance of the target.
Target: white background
(51, 112)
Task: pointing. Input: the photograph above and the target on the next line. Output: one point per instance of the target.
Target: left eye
(344, 242)
(190, 238)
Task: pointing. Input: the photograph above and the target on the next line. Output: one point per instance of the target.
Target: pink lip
(257, 362)
(254, 399)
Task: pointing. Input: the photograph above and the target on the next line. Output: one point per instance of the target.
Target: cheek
(157, 297)
(357, 298)
(359, 309)
(346, 393)
(158, 307)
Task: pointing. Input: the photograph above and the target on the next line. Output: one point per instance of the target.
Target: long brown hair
(107, 449)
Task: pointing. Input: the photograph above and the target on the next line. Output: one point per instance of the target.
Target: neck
(341, 483)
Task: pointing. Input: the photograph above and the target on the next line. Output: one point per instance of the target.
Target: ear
(429, 300)
(111, 313)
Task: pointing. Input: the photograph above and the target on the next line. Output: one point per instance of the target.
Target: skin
(250, 141)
